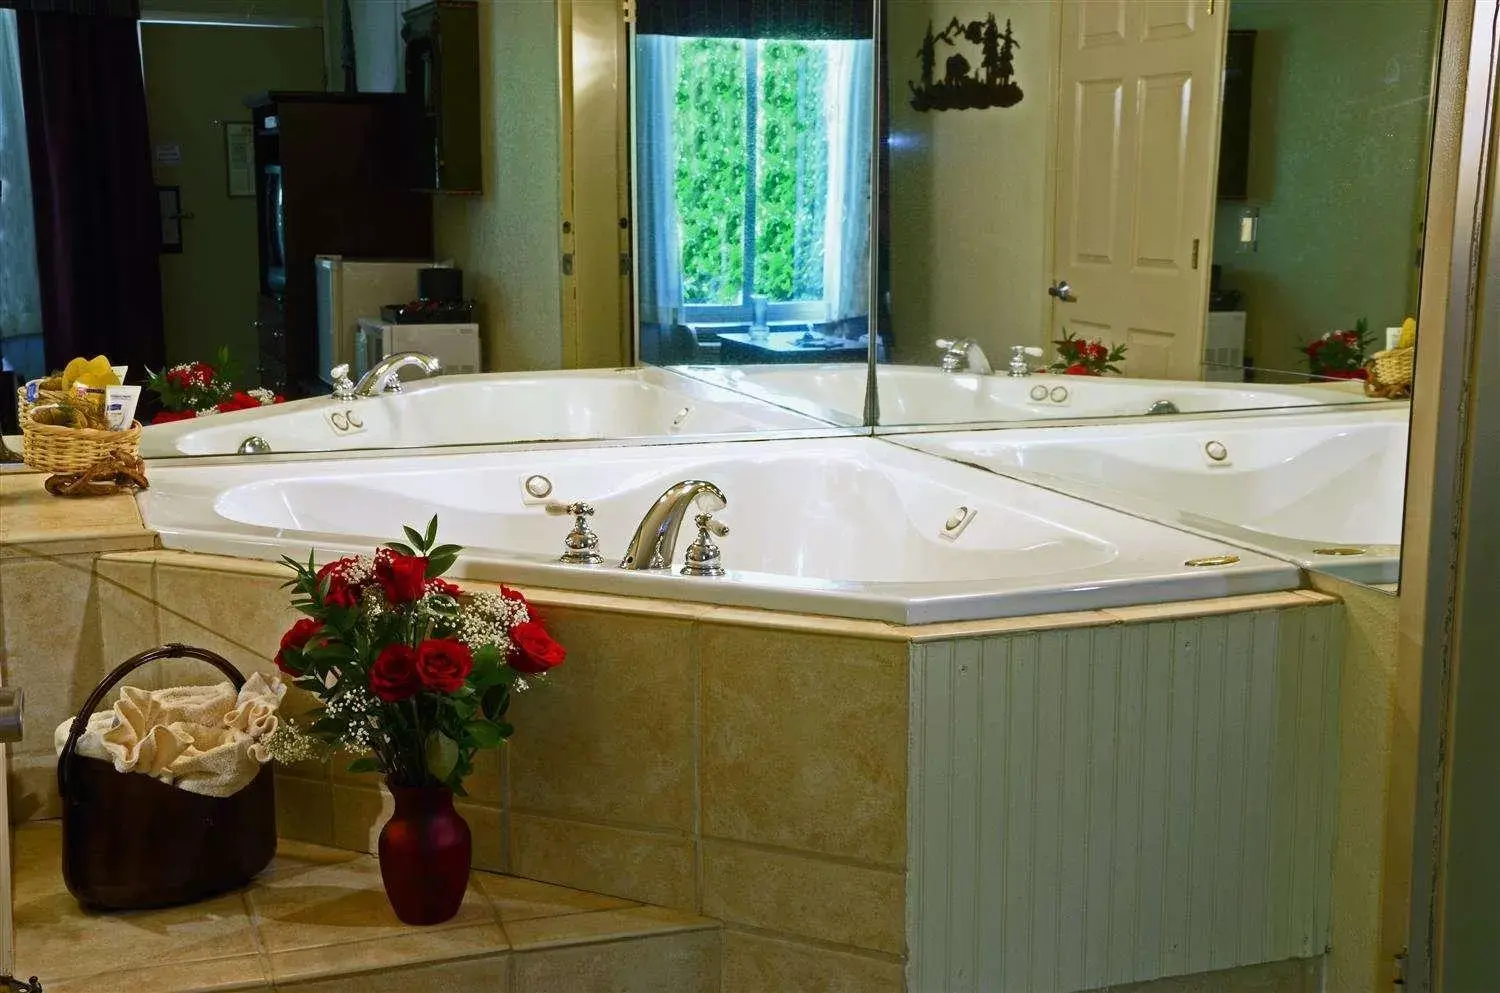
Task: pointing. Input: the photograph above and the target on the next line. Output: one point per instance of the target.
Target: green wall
(1338, 162)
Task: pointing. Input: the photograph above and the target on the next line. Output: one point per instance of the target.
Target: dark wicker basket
(131, 841)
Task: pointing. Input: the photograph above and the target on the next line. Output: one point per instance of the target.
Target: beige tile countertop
(317, 919)
(29, 515)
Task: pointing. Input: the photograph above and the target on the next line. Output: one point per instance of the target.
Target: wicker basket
(1394, 367)
(53, 448)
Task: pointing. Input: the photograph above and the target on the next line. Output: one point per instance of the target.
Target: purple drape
(98, 229)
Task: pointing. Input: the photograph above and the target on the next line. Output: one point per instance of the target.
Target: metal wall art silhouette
(963, 86)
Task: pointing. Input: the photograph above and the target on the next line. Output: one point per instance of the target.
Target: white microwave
(456, 346)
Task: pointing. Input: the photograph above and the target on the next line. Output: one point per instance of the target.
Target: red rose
(1078, 369)
(444, 587)
(535, 650)
(403, 577)
(394, 676)
(341, 592)
(239, 401)
(444, 664)
(515, 595)
(1098, 352)
(168, 416)
(298, 638)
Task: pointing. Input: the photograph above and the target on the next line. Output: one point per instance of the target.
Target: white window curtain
(20, 303)
(660, 246)
(850, 99)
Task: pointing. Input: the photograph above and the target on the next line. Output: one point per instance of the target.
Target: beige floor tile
(760, 964)
(601, 925)
(34, 515)
(609, 735)
(829, 901)
(55, 939)
(804, 742)
(517, 899)
(398, 950)
(490, 974)
(679, 963)
(636, 865)
(314, 899)
(240, 972)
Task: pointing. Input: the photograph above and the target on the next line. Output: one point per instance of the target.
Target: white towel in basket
(203, 739)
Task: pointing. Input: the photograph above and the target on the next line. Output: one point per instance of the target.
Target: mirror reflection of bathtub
(598, 404)
(925, 395)
(851, 527)
(1323, 489)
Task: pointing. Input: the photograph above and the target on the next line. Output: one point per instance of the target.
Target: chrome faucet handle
(581, 546)
(343, 386)
(1018, 355)
(955, 350)
(702, 557)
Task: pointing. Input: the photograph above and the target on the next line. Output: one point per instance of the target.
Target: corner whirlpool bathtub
(925, 395)
(1324, 490)
(852, 527)
(497, 408)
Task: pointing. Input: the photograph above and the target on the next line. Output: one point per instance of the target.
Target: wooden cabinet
(442, 75)
(333, 178)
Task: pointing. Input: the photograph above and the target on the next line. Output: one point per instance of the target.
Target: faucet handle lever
(581, 546)
(702, 557)
(343, 386)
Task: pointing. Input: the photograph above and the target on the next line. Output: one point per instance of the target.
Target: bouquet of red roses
(1077, 357)
(415, 675)
(195, 389)
(1339, 354)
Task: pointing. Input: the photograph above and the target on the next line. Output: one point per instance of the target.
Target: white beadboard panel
(1108, 805)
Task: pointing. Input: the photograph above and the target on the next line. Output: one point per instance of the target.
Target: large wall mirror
(1166, 256)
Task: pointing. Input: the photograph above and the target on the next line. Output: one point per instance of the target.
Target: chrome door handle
(1062, 291)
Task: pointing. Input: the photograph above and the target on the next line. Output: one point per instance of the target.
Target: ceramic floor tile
(314, 898)
(602, 925)
(401, 948)
(56, 940)
(517, 899)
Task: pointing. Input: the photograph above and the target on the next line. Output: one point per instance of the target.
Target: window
(762, 181)
(20, 305)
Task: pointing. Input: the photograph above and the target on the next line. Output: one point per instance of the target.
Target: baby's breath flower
(289, 744)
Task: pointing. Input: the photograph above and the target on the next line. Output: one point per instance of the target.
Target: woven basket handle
(172, 651)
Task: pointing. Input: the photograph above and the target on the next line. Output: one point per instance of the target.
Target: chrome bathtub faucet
(581, 546)
(382, 376)
(1018, 364)
(655, 541)
(961, 352)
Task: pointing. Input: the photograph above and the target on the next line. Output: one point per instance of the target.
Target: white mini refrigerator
(349, 289)
(456, 346)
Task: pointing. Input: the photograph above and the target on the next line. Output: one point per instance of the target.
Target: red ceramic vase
(424, 855)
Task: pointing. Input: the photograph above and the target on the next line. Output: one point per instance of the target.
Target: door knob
(1062, 291)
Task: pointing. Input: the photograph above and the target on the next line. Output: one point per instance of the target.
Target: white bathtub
(926, 395)
(845, 526)
(1323, 489)
(488, 409)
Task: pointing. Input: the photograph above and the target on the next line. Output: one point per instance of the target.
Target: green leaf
(446, 550)
(485, 734)
(439, 564)
(366, 763)
(496, 701)
(399, 548)
(415, 537)
(431, 532)
(442, 755)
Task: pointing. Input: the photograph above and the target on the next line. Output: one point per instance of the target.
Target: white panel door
(1138, 135)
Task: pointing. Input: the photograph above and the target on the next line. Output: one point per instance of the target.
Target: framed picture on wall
(239, 158)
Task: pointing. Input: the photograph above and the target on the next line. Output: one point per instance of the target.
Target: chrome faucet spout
(961, 352)
(655, 540)
(382, 376)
